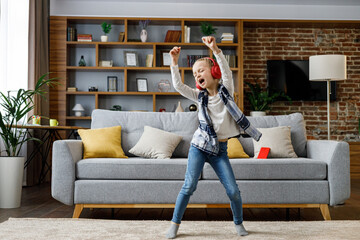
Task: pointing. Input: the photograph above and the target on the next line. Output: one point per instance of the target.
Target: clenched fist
(211, 43)
(174, 54)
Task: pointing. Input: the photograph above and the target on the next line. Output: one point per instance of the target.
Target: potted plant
(14, 110)
(261, 99)
(143, 25)
(106, 27)
(207, 29)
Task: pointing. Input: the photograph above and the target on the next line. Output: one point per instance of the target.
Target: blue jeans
(222, 167)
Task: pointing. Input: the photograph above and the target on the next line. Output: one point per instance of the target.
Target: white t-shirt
(224, 125)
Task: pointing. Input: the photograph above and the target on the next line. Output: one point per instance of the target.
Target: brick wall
(283, 43)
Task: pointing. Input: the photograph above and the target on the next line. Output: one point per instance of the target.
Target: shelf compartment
(87, 101)
(223, 26)
(153, 79)
(75, 51)
(127, 103)
(170, 103)
(116, 53)
(93, 27)
(82, 80)
(156, 29)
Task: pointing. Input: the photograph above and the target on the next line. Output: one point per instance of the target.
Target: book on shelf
(84, 38)
(173, 36)
(106, 63)
(121, 36)
(71, 89)
(186, 34)
(149, 60)
(71, 34)
(227, 41)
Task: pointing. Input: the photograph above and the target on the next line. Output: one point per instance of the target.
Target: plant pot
(257, 113)
(143, 35)
(11, 178)
(104, 38)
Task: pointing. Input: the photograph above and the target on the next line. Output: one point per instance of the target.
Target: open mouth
(201, 81)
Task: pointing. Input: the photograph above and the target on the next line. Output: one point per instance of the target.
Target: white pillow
(278, 139)
(156, 143)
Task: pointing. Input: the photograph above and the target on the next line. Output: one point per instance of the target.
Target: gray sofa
(319, 177)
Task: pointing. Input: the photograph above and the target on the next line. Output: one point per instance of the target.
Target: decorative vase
(257, 113)
(11, 178)
(104, 38)
(179, 108)
(143, 35)
(82, 62)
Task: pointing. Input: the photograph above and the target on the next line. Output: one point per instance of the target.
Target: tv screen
(292, 77)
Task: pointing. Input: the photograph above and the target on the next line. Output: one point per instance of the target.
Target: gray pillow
(155, 143)
(278, 139)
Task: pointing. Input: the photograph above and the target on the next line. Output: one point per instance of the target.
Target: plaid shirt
(205, 137)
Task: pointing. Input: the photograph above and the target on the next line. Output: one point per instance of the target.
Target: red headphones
(215, 72)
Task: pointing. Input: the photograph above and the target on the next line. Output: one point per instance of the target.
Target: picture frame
(141, 84)
(131, 59)
(112, 84)
(165, 58)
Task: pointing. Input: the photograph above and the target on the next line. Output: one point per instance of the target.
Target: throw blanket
(205, 137)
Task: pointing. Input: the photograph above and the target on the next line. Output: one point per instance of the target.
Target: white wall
(350, 10)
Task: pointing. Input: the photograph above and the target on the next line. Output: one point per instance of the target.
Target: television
(292, 77)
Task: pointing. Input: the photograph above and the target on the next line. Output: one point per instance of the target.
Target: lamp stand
(328, 108)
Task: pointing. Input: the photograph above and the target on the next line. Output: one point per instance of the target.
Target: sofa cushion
(295, 121)
(183, 124)
(102, 143)
(156, 143)
(273, 169)
(278, 139)
(235, 150)
(131, 168)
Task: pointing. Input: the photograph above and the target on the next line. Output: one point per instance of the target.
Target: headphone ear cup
(198, 87)
(215, 71)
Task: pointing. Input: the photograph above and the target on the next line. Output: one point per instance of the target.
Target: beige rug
(81, 229)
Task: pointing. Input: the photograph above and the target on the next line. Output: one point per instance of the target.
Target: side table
(48, 135)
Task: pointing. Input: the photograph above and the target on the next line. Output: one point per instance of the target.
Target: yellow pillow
(102, 142)
(235, 150)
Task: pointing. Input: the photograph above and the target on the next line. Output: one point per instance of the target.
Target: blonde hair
(210, 63)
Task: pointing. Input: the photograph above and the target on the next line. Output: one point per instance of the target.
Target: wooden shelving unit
(64, 56)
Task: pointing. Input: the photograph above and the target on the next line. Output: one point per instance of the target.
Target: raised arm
(226, 73)
(179, 86)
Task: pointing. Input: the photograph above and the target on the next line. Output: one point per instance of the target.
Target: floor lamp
(327, 68)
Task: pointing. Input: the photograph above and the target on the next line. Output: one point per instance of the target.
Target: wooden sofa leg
(77, 211)
(325, 211)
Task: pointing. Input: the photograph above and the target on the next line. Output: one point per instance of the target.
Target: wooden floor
(38, 203)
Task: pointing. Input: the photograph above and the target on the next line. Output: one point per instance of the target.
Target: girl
(220, 119)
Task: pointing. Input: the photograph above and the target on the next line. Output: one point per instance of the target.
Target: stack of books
(227, 38)
(191, 59)
(72, 89)
(71, 34)
(84, 38)
(187, 34)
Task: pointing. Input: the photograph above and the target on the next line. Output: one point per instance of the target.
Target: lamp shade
(327, 67)
(78, 107)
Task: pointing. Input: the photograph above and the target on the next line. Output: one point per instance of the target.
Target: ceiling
(251, 2)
